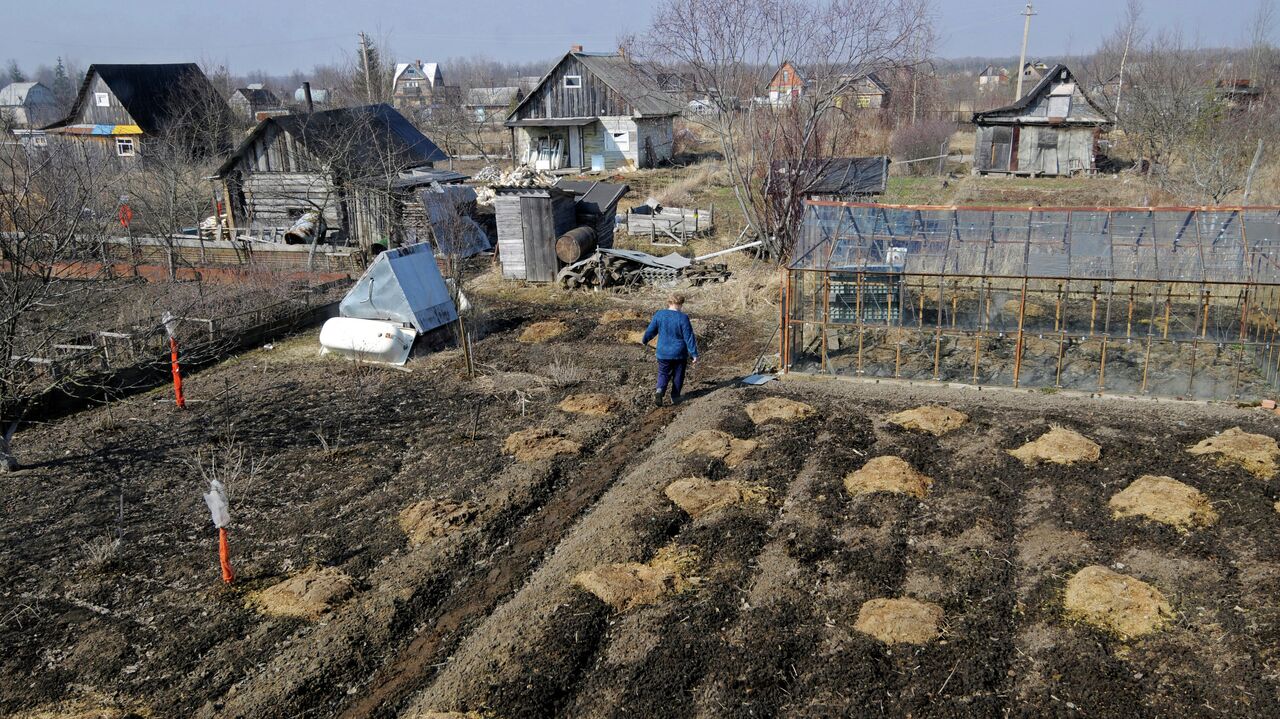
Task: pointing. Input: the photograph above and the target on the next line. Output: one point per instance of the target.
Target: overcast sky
(282, 35)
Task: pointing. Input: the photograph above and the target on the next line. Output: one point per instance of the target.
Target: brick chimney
(575, 48)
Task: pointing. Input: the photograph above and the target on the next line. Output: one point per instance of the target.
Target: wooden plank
(539, 239)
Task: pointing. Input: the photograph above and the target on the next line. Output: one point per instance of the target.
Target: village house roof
(1058, 74)
(257, 96)
(146, 91)
(840, 175)
(629, 79)
(492, 96)
(430, 72)
(373, 139)
(23, 93)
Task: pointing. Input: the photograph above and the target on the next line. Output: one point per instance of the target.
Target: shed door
(540, 264)
(1001, 147)
(575, 146)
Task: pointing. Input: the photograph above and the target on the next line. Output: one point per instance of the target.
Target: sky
(279, 36)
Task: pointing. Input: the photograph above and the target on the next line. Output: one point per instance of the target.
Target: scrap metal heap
(493, 176)
(611, 267)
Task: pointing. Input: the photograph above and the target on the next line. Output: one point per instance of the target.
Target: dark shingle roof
(258, 95)
(147, 92)
(841, 175)
(629, 79)
(373, 139)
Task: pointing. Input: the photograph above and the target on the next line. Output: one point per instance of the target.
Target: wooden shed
(1050, 131)
(531, 220)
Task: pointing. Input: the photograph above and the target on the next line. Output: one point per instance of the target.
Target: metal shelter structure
(1166, 301)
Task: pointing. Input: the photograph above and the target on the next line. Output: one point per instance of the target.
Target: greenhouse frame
(1165, 301)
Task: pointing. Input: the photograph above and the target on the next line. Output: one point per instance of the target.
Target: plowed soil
(485, 615)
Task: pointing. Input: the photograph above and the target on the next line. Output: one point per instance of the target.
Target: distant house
(1033, 72)
(867, 92)
(27, 105)
(594, 110)
(992, 77)
(417, 87)
(353, 167)
(119, 108)
(487, 104)
(1052, 130)
(787, 85)
(247, 102)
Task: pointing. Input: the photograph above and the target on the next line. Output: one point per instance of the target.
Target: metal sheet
(402, 285)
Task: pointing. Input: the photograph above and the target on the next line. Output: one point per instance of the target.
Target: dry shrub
(593, 404)
(538, 443)
(101, 554)
(698, 496)
(900, 621)
(631, 584)
(1256, 453)
(719, 445)
(1116, 603)
(564, 372)
(931, 418)
(1060, 446)
(923, 139)
(753, 289)
(433, 518)
(887, 474)
(778, 408)
(307, 595)
(1164, 500)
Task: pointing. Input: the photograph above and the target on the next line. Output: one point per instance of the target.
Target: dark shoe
(675, 399)
(657, 399)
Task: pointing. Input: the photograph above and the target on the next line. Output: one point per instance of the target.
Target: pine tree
(61, 85)
(15, 72)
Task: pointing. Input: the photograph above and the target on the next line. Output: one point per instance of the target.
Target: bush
(923, 139)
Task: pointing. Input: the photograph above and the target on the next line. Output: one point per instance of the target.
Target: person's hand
(694, 360)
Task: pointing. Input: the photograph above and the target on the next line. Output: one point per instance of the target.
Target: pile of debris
(609, 267)
(492, 176)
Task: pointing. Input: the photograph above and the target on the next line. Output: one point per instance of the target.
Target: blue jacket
(675, 335)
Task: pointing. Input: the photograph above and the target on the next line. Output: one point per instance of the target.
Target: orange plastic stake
(177, 373)
(224, 556)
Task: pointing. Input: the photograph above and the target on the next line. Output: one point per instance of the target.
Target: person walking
(676, 347)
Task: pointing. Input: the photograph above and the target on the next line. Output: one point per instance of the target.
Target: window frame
(102, 99)
(572, 86)
(122, 143)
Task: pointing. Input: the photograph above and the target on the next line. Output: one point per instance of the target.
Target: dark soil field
(111, 603)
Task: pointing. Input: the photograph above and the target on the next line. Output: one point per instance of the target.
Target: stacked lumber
(601, 271)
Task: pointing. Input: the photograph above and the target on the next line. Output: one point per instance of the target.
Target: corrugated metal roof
(365, 138)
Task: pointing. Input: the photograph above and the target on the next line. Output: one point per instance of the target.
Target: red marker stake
(224, 556)
(177, 374)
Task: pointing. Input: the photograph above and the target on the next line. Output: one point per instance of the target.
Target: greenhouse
(1172, 302)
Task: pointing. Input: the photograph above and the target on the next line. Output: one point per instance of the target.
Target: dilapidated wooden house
(120, 108)
(1050, 131)
(598, 111)
(347, 167)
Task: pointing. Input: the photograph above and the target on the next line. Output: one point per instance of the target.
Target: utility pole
(368, 83)
(1022, 59)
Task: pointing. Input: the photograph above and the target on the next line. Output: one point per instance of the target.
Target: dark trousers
(672, 371)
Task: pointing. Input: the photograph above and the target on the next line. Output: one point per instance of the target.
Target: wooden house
(787, 84)
(491, 104)
(593, 111)
(247, 102)
(531, 220)
(119, 108)
(1052, 130)
(992, 77)
(1033, 72)
(27, 105)
(866, 92)
(351, 167)
(418, 88)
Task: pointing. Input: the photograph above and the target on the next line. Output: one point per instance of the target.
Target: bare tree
(51, 213)
(731, 48)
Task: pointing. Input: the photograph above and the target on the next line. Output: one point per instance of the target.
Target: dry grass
(564, 372)
(698, 496)
(1116, 603)
(900, 621)
(632, 584)
(682, 192)
(101, 553)
(888, 474)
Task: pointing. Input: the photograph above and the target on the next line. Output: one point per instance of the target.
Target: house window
(101, 99)
(411, 83)
(622, 140)
(786, 76)
(124, 146)
(573, 81)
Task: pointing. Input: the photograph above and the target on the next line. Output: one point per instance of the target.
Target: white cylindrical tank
(367, 340)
